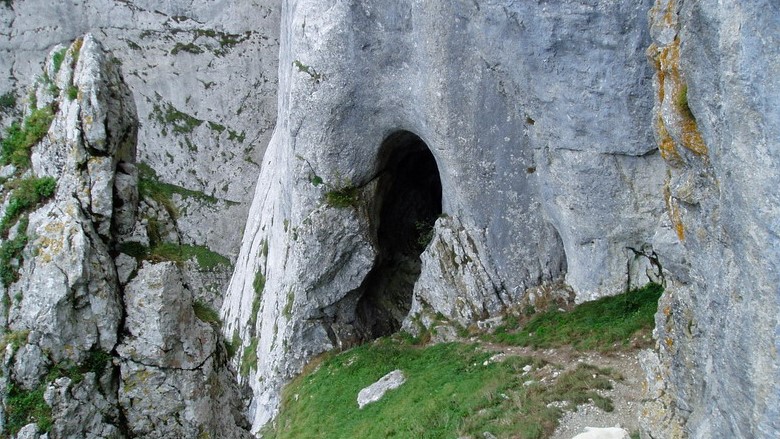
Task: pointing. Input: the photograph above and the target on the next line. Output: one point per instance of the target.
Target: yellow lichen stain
(669, 342)
(671, 85)
(668, 311)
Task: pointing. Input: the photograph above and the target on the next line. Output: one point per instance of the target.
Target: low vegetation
(206, 313)
(451, 390)
(20, 138)
(27, 194)
(623, 321)
(26, 406)
(249, 358)
(343, 197)
(461, 389)
(11, 253)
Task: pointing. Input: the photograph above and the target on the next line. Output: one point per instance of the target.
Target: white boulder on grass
(376, 391)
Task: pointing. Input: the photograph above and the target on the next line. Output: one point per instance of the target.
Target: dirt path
(626, 393)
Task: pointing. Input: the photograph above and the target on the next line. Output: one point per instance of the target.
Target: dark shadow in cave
(408, 201)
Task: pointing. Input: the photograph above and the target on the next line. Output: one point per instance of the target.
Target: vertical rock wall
(716, 120)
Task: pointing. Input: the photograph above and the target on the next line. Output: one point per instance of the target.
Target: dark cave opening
(407, 203)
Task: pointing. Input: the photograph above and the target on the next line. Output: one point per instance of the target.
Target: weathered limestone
(539, 131)
(203, 80)
(716, 121)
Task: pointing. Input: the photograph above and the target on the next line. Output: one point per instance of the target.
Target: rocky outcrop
(533, 146)
(100, 338)
(716, 114)
(203, 76)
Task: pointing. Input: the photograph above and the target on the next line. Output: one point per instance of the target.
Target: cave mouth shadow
(406, 206)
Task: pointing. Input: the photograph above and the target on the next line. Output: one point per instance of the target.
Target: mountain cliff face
(431, 161)
(715, 119)
(513, 137)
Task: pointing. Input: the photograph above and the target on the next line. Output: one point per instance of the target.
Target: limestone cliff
(513, 137)
(431, 160)
(89, 331)
(716, 121)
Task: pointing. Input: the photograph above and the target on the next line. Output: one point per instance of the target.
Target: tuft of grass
(73, 92)
(342, 198)
(181, 122)
(27, 194)
(605, 324)
(15, 339)
(205, 258)
(189, 48)
(15, 147)
(258, 284)
(26, 406)
(10, 251)
(57, 59)
(452, 390)
(288, 306)
(232, 346)
(150, 187)
(7, 101)
(249, 359)
(206, 313)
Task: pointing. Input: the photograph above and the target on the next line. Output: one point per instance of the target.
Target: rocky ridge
(91, 330)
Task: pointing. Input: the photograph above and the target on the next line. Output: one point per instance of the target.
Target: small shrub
(57, 59)
(343, 197)
(7, 101)
(206, 313)
(15, 147)
(27, 194)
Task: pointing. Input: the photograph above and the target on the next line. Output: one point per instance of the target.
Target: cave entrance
(407, 203)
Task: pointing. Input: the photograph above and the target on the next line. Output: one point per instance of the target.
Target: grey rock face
(173, 376)
(115, 348)
(67, 299)
(716, 120)
(203, 80)
(531, 121)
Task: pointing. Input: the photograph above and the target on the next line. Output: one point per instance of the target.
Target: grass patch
(19, 138)
(15, 339)
(343, 197)
(57, 59)
(10, 251)
(150, 187)
(259, 285)
(26, 406)
(249, 359)
(452, 390)
(605, 324)
(73, 92)
(180, 122)
(27, 194)
(205, 258)
(206, 313)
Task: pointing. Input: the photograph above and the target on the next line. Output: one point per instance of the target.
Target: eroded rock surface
(539, 135)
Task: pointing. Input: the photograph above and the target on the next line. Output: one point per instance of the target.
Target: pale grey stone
(376, 391)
